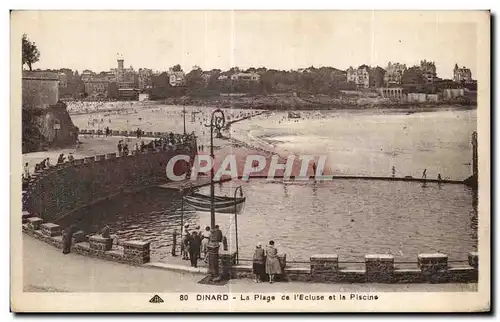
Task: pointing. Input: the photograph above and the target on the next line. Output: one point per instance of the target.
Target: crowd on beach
(84, 107)
(163, 143)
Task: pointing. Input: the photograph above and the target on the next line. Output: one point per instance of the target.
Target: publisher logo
(156, 299)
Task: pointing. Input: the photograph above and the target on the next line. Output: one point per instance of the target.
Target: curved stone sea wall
(60, 190)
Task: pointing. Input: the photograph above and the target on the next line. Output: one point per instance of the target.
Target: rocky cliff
(47, 127)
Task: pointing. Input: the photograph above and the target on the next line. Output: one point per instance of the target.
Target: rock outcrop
(47, 127)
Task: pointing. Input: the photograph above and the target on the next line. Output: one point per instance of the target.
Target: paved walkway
(47, 269)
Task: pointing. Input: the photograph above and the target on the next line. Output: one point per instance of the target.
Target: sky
(273, 39)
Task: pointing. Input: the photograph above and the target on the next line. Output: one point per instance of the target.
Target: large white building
(428, 71)
(249, 77)
(461, 74)
(394, 73)
(359, 76)
(177, 78)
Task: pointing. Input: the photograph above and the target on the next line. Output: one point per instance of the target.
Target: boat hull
(221, 204)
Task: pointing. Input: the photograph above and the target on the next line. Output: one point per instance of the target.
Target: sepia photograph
(258, 161)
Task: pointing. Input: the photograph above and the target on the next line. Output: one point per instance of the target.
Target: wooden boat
(293, 115)
(224, 205)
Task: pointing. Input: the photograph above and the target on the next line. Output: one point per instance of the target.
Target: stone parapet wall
(58, 191)
(325, 268)
(39, 89)
(378, 268)
(130, 252)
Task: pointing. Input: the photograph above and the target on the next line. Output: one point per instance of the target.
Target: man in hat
(199, 233)
(194, 248)
(184, 244)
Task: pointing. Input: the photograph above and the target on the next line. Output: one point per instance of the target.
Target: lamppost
(236, 220)
(217, 121)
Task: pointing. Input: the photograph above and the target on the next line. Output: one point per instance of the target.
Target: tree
(413, 76)
(377, 77)
(30, 52)
(194, 80)
(177, 68)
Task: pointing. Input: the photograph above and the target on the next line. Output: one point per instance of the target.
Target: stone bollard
(227, 260)
(78, 237)
(433, 266)
(78, 162)
(136, 252)
(100, 243)
(50, 229)
(324, 267)
(379, 268)
(89, 159)
(34, 223)
(474, 259)
(25, 216)
(213, 258)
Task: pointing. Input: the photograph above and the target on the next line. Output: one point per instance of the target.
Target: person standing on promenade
(194, 248)
(105, 232)
(26, 171)
(217, 233)
(259, 267)
(199, 232)
(205, 239)
(424, 174)
(125, 149)
(273, 266)
(393, 171)
(119, 147)
(61, 158)
(184, 244)
(67, 238)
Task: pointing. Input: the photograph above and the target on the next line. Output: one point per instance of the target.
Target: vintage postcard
(250, 161)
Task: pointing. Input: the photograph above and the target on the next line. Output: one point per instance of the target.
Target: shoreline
(289, 106)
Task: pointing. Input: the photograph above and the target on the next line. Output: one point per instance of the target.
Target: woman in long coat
(259, 266)
(273, 266)
(67, 238)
